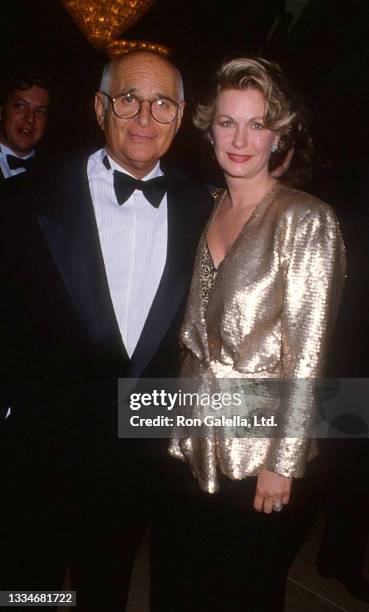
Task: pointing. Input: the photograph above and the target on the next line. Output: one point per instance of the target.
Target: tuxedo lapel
(72, 238)
(174, 281)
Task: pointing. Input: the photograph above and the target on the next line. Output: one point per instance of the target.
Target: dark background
(325, 52)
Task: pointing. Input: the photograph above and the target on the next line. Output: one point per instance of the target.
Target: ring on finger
(277, 506)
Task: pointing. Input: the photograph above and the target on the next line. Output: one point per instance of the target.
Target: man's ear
(180, 115)
(100, 109)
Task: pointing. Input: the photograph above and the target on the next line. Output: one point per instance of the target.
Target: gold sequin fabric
(270, 314)
(208, 273)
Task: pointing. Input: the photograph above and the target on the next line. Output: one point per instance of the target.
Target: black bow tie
(17, 162)
(124, 185)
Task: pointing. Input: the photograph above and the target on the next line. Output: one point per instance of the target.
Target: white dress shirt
(133, 238)
(7, 172)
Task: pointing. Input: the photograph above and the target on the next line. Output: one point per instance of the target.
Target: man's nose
(144, 116)
(30, 116)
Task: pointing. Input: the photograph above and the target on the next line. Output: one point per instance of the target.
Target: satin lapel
(73, 240)
(174, 281)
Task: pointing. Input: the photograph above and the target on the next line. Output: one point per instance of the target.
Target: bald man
(97, 259)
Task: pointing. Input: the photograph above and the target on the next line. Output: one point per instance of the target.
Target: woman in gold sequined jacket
(264, 297)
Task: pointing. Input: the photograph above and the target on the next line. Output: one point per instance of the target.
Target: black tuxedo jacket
(60, 346)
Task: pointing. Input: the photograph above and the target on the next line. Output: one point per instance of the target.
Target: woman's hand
(272, 489)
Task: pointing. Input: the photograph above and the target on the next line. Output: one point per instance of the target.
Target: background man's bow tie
(17, 162)
(124, 185)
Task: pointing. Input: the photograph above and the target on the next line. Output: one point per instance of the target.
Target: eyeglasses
(127, 106)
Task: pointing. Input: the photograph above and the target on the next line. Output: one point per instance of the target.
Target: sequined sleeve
(314, 275)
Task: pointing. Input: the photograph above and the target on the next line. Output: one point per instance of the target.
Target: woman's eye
(226, 123)
(256, 125)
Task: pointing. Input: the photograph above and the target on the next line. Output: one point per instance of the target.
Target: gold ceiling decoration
(102, 21)
(119, 46)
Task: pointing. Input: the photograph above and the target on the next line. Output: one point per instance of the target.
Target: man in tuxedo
(24, 106)
(95, 267)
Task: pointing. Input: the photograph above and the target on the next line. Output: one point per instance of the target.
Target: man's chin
(142, 153)
(137, 160)
(22, 149)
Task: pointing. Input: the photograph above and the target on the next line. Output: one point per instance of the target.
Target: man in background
(24, 108)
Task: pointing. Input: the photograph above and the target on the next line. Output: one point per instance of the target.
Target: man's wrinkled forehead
(144, 74)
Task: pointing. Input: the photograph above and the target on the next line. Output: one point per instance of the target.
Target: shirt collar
(156, 171)
(6, 151)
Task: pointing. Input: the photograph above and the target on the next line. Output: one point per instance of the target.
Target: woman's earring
(274, 146)
(211, 140)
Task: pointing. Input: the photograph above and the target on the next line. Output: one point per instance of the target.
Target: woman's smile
(240, 159)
